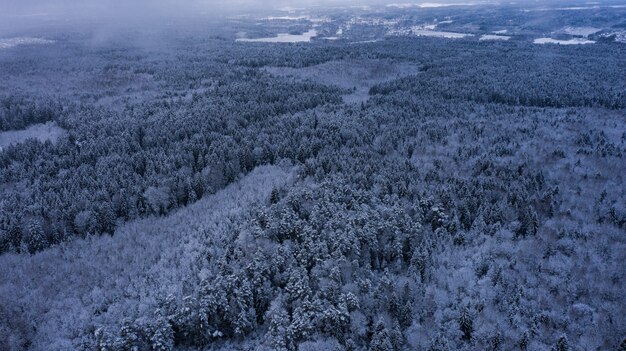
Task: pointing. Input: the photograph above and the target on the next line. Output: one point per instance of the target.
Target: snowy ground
(42, 132)
(428, 30)
(494, 37)
(439, 34)
(12, 42)
(430, 4)
(283, 38)
(573, 41)
(582, 31)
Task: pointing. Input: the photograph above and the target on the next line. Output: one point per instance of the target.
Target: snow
(578, 8)
(493, 37)
(582, 31)
(12, 42)
(575, 8)
(297, 18)
(502, 31)
(319, 20)
(286, 18)
(42, 132)
(427, 30)
(439, 34)
(573, 41)
(429, 5)
(431, 26)
(284, 38)
(370, 22)
(620, 36)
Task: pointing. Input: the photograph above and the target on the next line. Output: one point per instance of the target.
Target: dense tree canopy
(430, 216)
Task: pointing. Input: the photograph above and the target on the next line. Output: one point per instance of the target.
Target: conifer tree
(381, 341)
(466, 324)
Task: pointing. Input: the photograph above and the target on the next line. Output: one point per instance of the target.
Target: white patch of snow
(573, 41)
(494, 37)
(577, 8)
(582, 31)
(502, 31)
(320, 19)
(283, 38)
(431, 26)
(12, 42)
(290, 9)
(438, 34)
(620, 36)
(427, 31)
(574, 8)
(285, 18)
(430, 4)
(370, 22)
(401, 6)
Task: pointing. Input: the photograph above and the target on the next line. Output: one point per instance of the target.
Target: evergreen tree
(381, 341)
(274, 196)
(35, 239)
(130, 336)
(561, 344)
(466, 324)
(279, 333)
(439, 343)
(524, 341)
(161, 335)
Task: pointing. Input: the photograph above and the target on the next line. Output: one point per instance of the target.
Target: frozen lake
(573, 41)
(494, 37)
(283, 38)
(582, 31)
(439, 34)
(12, 42)
(426, 5)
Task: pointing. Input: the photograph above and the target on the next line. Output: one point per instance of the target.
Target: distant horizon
(17, 16)
(167, 8)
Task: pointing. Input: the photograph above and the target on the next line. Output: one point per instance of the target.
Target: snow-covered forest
(371, 188)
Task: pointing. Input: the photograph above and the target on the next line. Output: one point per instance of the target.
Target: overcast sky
(18, 15)
(21, 13)
(137, 7)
